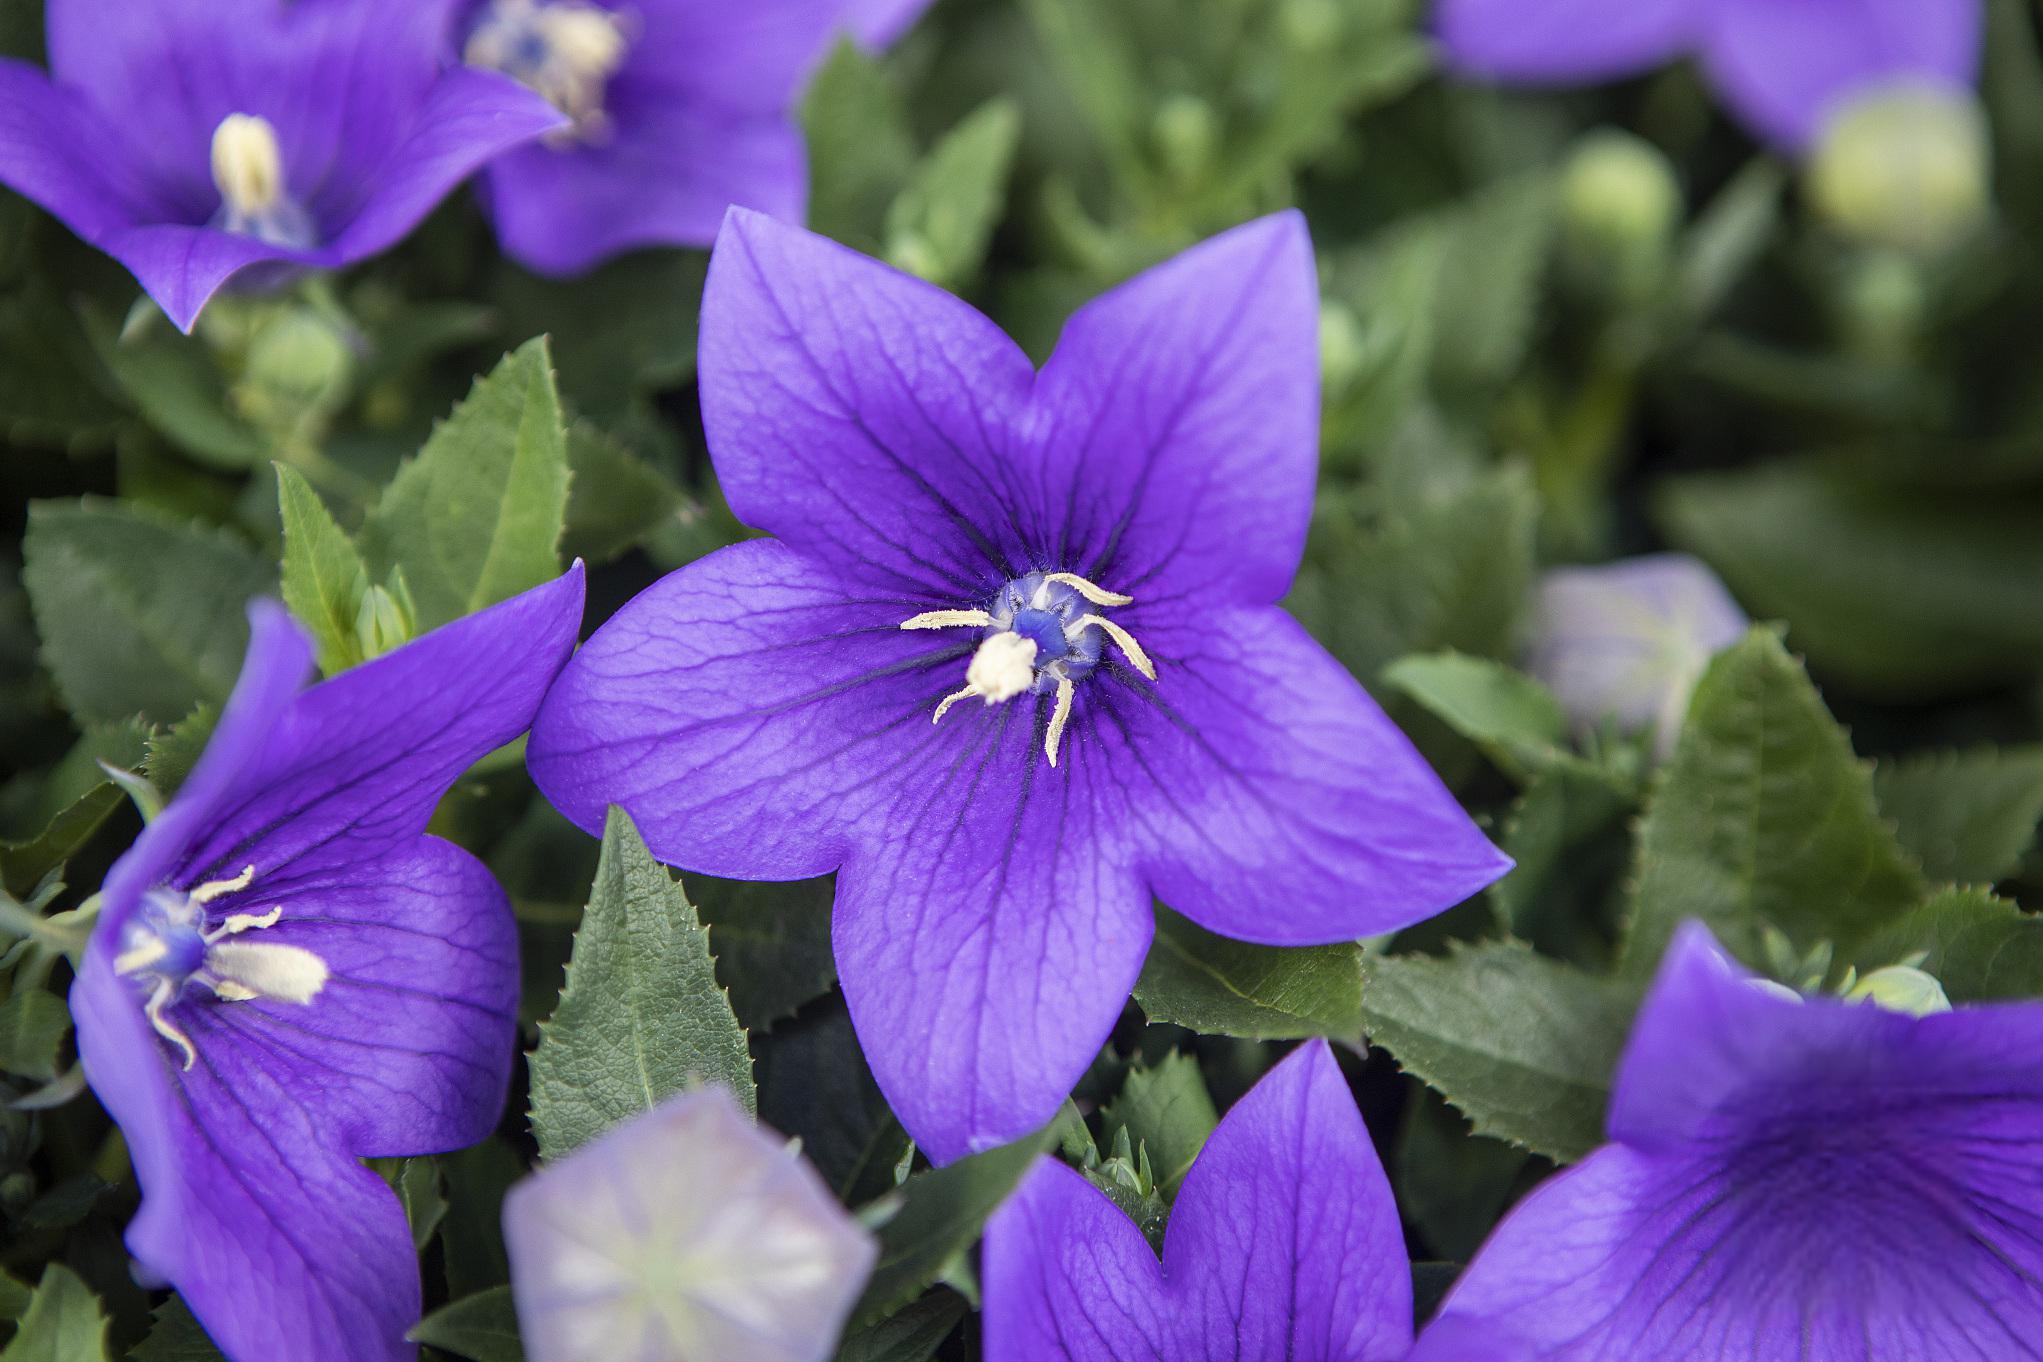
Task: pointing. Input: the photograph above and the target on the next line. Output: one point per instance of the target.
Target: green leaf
(860, 149)
(1981, 948)
(174, 751)
(1436, 570)
(1451, 1183)
(176, 1336)
(1970, 816)
(616, 500)
(63, 1323)
(477, 517)
(1522, 1045)
(913, 1335)
(1567, 833)
(1764, 817)
(1513, 718)
(772, 944)
(138, 613)
(1167, 1112)
(814, 1086)
(1908, 593)
(941, 1213)
(33, 1024)
(1728, 238)
(324, 576)
(14, 1298)
(642, 1016)
(176, 383)
(75, 801)
(472, 1233)
(1218, 986)
(483, 1327)
(621, 332)
(1495, 256)
(940, 225)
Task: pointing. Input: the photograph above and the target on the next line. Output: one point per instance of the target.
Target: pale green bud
(1620, 206)
(1187, 134)
(382, 624)
(1309, 25)
(1908, 168)
(1901, 988)
(1343, 349)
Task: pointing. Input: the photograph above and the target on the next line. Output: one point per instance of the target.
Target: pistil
(248, 170)
(566, 51)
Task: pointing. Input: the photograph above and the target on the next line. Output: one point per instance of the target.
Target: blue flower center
(1041, 634)
(172, 942)
(565, 50)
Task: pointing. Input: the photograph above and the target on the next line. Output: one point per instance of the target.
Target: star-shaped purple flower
(1284, 1246)
(199, 140)
(1012, 663)
(1789, 1181)
(678, 109)
(288, 975)
(1785, 66)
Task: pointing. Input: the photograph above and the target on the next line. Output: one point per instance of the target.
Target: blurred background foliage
(1557, 328)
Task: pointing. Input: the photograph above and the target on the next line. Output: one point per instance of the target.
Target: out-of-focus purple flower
(1283, 1246)
(288, 976)
(1075, 573)
(1789, 1181)
(1629, 640)
(198, 140)
(678, 109)
(1787, 67)
(685, 1233)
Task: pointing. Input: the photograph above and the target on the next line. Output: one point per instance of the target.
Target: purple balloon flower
(195, 140)
(288, 976)
(678, 109)
(1283, 1246)
(1789, 1181)
(1012, 664)
(1785, 66)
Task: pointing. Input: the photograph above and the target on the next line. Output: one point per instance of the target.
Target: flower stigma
(171, 944)
(566, 51)
(1043, 634)
(248, 170)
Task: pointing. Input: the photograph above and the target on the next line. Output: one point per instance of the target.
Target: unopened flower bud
(1907, 168)
(1309, 25)
(1343, 350)
(1187, 134)
(381, 623)
(297, 359)
(1620, 205)
(1901, 988)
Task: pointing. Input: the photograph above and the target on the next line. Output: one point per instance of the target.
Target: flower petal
(1565, 41)
(1068, 1278)
(407, 1048)
(1285, 1234)
(748, 59)
(58, 151)
(469, 118)
(183, 267)
(275, 668)
(988, 943)
(1787, 68)
(753, 712)
(281, 1245)
(664, 177)
(356, 764)
(862, 416)
(1178, 433)
(1271, 799)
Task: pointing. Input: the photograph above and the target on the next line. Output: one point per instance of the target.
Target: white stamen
(158, 1000)
(248, 166)
(949, 619)
(238, 923)
(566, 51)
(951, 699)
(260, 969)
(1121, 637)
(213, 889)
(1098, 595)
(139, 957)
(1058, 718)
(1003, 668)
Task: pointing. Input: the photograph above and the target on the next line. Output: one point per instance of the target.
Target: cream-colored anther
(1002, 668)
(213, 889)
(1098, 595)
(565, 51)
(1123, 640)
(949, 619)
(248, 166)
(1059, 716)
(259, 969)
